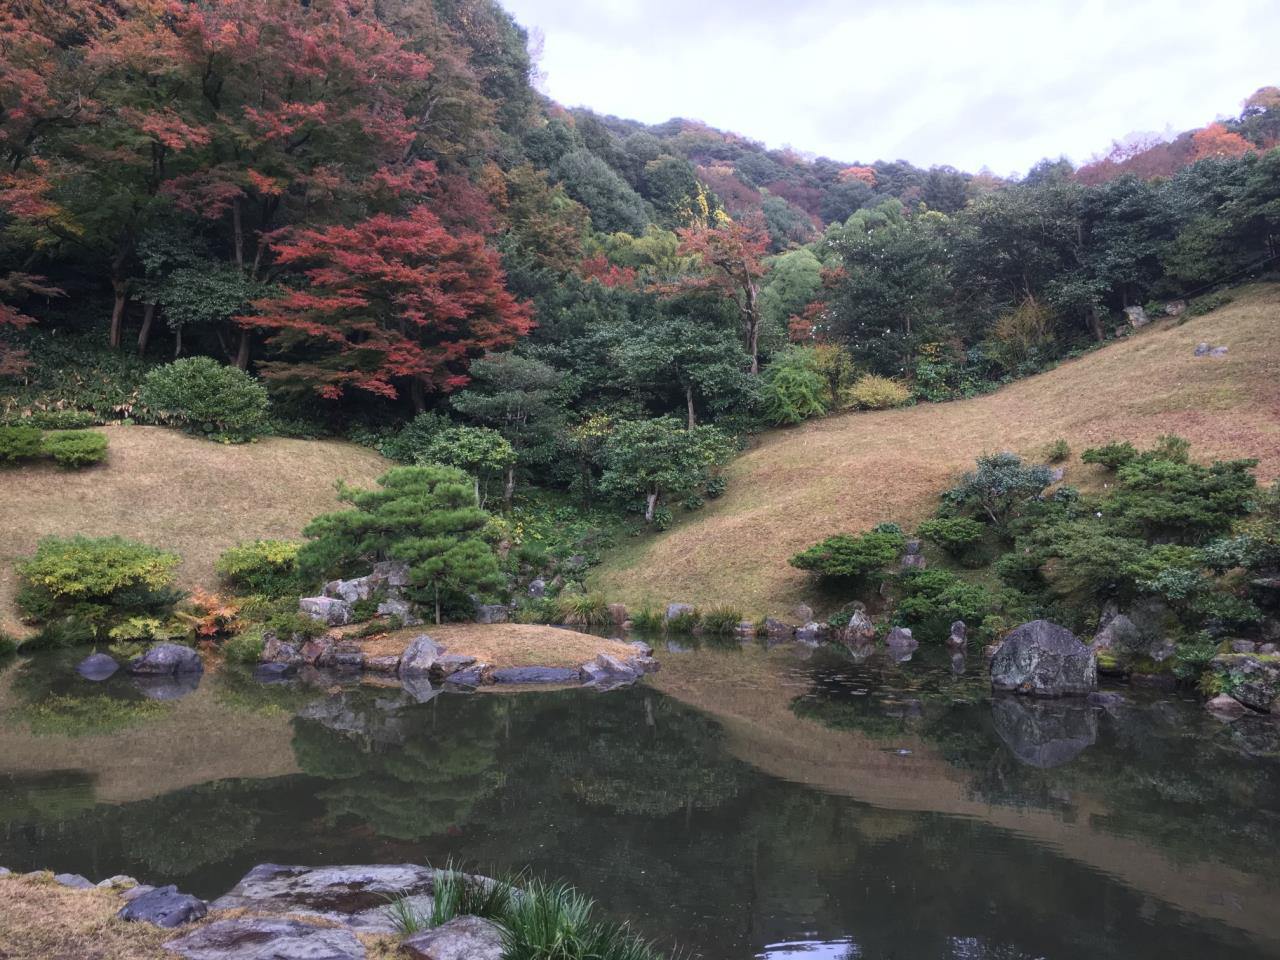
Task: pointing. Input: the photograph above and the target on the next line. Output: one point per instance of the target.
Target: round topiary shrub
(19, 443)
(265, 567)
(206, 397)
(73, 449)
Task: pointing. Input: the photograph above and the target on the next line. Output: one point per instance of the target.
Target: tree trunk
(437, 604)
(688, 399)
(177, 342)
(144, 335)
(238, 229)
(651, 503)
(476, 481)
(245, 348)
(1095, 325)
(753, 327)
(417, 395)
(121, 291)
(509, 490)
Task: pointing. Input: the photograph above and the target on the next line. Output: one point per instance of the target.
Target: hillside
(177, 492)
(849, 472)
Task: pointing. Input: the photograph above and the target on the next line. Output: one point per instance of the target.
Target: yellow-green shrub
(871, 392)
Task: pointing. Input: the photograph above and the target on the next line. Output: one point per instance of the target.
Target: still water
(785, 803)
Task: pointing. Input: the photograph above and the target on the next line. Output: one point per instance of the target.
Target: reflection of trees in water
(180, 833)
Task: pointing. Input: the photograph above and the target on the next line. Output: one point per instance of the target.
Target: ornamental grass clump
(582, 609)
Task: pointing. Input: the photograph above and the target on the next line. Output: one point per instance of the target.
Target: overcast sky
(995, 83)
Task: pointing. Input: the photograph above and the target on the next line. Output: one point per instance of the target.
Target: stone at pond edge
(618, 614)
(1228, 708)
(267, 938)
(276, 650)
(386, 664)
(73, 880)
(164, 907)
(462, 938)
(1044, 659)
(678, 610)
(420, 656)
(1253, 679)
(97, 666)
(273, 672)
(1044, 733)
(859, 630)
(354, 895)
(775, 629)
(802, 612)
(535, 675)
(606, 670)
(492, 613)
(958, 635)
(811, 632)
(449, 664)
(467, 679)
(167, 659)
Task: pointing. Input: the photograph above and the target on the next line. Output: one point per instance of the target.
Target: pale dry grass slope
(847, 473)
(178, 492)
(505, 644)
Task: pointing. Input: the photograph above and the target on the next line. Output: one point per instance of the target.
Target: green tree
(609, 198)
(659, 460)
(480, 451)
(426, 516)
(793, 282)
(794, 388)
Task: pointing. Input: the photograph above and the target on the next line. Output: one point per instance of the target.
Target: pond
(742, 802)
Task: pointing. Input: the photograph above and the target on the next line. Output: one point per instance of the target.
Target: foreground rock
(1045, 660)
(267, 938)
(535, 675)
(97, 666)
(1044, 733)
(328, 610)
(1252, 678)
(356, 896)
(167, 659)
(462, 938)
(1226, 708)
(165, 907)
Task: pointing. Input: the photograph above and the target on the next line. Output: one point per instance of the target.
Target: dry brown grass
(177, 492)
(41, 920)
(849, 472)
(505, 644)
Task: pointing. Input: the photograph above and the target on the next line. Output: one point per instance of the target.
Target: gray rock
(276, 650)
(802, 612)
(1057, 474)
(1175, 308)
(642, 649)
(618, 614)
(273, 672)
(462, 938)
(342, 656)
(5, 872)
(384, 664)
(492, 613)
(327, 610)
(73, 880)
(357, 896)
(1106, 699)
(1043, 733)
(1268, 648)
(1253, 679)
(1226, 707)
(912, 548)
(449, 664)
(267, 938)
(608, 671)
(678, 610)
(535, 675)
(167, 659)
(167, 687)
(350, 591)
(401, 609)
(811, 632)
(420, 656)
(1119, 635)
(467, 679)
(390, 574)
(859, 630)
(315, 649)
(776, 629)
(537, 588)
(1046, 660)
(419, 687)
(1202, 349)
(119, 880)
(1137, 317)
(133, 893)
(914, 561)
(1218, 352)
(900, 645)
(959, 634)
(164, 907)
(1243, 646)
(97, 666)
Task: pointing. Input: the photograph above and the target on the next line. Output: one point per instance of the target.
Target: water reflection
(827, 808)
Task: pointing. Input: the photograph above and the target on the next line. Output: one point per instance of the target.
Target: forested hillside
(369, 208)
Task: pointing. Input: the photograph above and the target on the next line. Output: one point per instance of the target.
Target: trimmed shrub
(1001, 486)
(1113, 456)
(57, 420)
(871, 392)
(245, 647)
(206, 397)
(851, 557)
(99, 582)
(265, 567)
(953, 534)
(934, 599)
(73, 449)
(19, 443)
(1058, 451)
(793, 388)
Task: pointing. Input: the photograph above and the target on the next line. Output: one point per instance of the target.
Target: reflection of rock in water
(1044, 733)
(167, 688)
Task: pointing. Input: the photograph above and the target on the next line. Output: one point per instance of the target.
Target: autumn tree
(1217, 141)
(391, 303)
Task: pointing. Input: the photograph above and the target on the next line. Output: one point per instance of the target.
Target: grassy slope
(849, 472)
(178, 492)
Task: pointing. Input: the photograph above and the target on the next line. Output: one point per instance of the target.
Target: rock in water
(267, 938)
(535, 675)
(462, 938)
(1225, 707)
(357, 896)
(165, 907)
(958, 635)
(1044, 734)
(97, 666)
(1046, 660)
(678, 610)
(860, 630)
(420, 656)
(167, 659)
(1253, 679)
(73, 880)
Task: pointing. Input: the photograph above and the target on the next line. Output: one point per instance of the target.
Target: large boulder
(356, 896)
(462, 938)
(606, 671)
(402, 610)
(267, 938)
(350, 591)
(97, 667)
(1044, 733)
(327, 610)
(492, 613)
(1045, 660)
(390, 576)
(959, 634)
(166, 659)
(1137, 316)
(420, 656)
(1251, 678)
(164, 907)
(675, 610)
(275, 650)
(859, 631)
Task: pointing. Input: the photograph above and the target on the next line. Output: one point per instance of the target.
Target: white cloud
(987, 82)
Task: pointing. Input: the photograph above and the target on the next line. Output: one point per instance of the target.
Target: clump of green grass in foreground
(539, 921)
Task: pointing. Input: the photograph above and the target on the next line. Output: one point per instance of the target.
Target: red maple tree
(1215, 140)
(392, 302)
